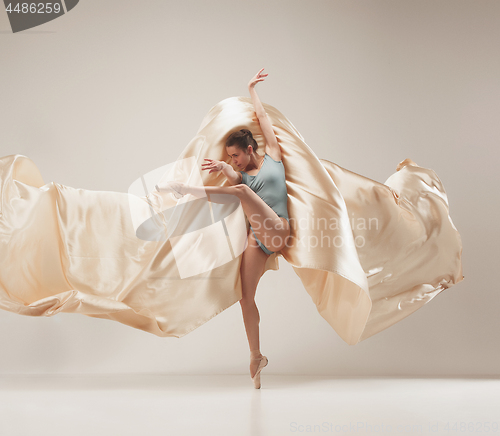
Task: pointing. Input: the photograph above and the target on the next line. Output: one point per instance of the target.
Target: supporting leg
(251, 269)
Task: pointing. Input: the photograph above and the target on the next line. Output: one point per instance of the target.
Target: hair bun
(242, 138)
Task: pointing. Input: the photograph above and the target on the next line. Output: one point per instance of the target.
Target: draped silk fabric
(369, 254)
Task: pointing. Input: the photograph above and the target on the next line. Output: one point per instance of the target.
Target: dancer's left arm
(272, 146)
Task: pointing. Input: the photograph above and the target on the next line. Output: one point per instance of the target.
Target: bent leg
(215, 194)
(268, 227)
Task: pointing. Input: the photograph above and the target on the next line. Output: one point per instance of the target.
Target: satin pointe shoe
(170, 188)
(256, 378)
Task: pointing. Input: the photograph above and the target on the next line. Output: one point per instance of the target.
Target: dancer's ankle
(255, 354)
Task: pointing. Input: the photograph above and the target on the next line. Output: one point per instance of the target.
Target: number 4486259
(33, 8)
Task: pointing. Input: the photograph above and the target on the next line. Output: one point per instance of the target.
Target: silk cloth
(369, 254)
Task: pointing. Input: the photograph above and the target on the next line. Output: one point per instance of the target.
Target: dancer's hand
(213, 165)
(259, 77)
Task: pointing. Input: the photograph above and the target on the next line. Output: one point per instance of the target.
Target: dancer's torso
(270, 185)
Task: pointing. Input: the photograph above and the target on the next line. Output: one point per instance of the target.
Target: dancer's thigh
(271, 230)
(251, 268)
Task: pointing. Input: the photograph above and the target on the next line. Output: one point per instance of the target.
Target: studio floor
(218, 405)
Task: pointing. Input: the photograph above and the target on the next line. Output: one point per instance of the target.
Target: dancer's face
(239, 158)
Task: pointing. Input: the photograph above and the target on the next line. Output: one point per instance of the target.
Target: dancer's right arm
(232, 176)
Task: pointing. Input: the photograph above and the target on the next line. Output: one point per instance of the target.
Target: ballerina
(263, 196)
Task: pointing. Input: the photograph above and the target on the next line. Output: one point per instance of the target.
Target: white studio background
(114, 89)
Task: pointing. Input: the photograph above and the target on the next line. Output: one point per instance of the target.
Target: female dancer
(260, 187)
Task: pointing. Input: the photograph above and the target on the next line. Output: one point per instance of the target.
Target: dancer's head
(240, 146)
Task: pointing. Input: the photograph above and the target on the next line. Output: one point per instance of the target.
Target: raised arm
(272, 146)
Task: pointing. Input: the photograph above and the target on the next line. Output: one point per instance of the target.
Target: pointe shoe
(169, 188)
(256, 378)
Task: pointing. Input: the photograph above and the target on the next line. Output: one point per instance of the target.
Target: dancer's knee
(248, 305)
(246, 301)
(242, 190)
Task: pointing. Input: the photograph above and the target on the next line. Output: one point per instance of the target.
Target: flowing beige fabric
(369, 254)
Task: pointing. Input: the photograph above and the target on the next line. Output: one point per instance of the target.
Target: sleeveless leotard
(270, 185)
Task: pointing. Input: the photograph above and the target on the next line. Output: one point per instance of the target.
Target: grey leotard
(270, 185)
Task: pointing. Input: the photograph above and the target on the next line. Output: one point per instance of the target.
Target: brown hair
(242, 139)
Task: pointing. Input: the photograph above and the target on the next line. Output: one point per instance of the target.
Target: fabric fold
(369, 254)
